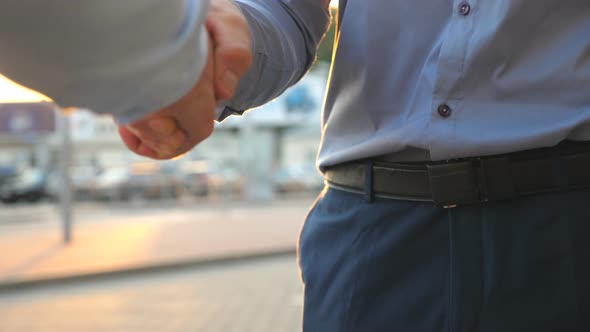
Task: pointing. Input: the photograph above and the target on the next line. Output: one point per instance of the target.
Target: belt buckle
(457, 183)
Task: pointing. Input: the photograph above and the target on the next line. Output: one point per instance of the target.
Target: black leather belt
(469, 181)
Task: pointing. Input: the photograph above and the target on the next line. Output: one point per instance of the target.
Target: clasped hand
(177, 128)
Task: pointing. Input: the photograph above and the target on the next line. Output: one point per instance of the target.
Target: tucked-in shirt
(124, 57)
(447, 77)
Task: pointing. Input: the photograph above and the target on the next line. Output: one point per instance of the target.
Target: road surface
(256, 296)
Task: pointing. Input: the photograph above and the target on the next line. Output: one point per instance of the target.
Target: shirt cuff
(224, 111)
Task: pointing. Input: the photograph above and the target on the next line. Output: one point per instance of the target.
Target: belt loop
(369, 193)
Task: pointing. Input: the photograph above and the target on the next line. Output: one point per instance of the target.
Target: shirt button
(444, 110)
(464, 8)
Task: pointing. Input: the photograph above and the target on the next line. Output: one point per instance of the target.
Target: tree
(326, 47)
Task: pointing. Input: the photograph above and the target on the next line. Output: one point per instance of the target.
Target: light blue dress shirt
(124, 57)
(445, 78)
(448, 78)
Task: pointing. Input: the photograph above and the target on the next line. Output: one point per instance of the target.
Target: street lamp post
(66, 182)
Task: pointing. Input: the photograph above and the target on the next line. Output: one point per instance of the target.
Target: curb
(8, 286)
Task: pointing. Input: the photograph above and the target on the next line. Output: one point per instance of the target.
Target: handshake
(177, 128)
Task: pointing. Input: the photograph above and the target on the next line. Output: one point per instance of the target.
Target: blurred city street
(115, 238)
(24, 218)
(258, 296)
(186, 265)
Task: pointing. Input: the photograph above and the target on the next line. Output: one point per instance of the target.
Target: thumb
(232, 51)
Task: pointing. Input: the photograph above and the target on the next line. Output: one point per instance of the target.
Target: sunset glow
(11, 92)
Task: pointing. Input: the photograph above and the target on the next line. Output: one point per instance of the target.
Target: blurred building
(282, 134)
(95, 141)
(293, 120)
(26, 131)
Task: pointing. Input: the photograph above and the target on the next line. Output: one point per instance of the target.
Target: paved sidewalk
(263, 295)
(167, 239)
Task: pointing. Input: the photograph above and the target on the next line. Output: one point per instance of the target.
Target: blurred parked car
(83, 181)
(111, 185)
(225, 180)
(194, 177)
(7, 173)
(29, 186)
(152, 185)
(142, 180)
(298, 178)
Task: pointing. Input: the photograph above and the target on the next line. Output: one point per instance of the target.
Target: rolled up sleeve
(285, 35)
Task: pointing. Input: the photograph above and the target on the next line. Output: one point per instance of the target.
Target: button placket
(448, 91)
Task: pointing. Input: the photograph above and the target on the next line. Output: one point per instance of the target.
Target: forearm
(127, 58)
(285, 35)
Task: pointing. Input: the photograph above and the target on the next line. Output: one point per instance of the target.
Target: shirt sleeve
(285, 35)
(126, 58)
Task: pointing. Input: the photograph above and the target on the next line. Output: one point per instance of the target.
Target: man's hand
(231, 39)
(176, 129)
